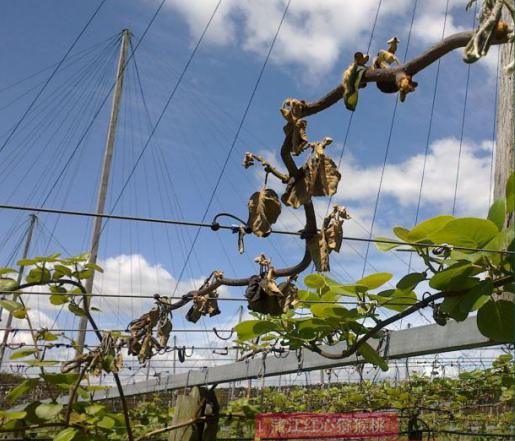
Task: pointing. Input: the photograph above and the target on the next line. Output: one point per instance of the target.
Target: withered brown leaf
(264, 209)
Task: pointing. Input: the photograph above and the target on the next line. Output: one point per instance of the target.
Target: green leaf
(451, 306)
(401, 233)
(495, 320)
(38, 275)
(47, 336)
(396, 300)
(375, 280)
(67, 379)
(66, 434)
(12, 415)
(424, 229)
(251, 329)
(472, 300)
(497, 212)
(63, 269)
(453, 277)
(7, 271)
(410, 281)
(371, 356)
(106, 423)
(21, 389)
(26, 262)
(383, 246)
(94, 409)
(42, 363)
(95, 267)
(22, 353)
(10, 305)
(466, 232)
(59, 299)
(76, 310)
(510, 193)
(48, 411)
(7, 284)
(314, 281)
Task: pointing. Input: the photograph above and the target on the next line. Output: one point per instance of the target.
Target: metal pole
(237, 352)
(104, 178)
(26, 248)
(174, 369)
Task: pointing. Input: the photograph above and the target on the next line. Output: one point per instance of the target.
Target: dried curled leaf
(328, 239)
(264, 209)
(106, 357)
(268, 284)
(318, 177)
(266, 297)
(291, 111)
(205, 304)
(141, 341)
(489, 21)
(248, 160)
(333, 228)
(319, 251)
(352, 80)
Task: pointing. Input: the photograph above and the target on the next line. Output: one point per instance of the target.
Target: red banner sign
(304, 425)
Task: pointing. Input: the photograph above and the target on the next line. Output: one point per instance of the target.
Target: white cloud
(313, 35)
(402, 180)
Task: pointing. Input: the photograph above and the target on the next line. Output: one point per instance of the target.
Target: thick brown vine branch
(392, 76)
(389, 79)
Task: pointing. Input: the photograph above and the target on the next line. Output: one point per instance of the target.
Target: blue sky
(178, 171)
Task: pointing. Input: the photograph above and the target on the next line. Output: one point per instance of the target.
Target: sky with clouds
(54, 157)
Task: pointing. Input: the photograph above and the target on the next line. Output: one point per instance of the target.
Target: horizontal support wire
(227, 299)
(231, 228)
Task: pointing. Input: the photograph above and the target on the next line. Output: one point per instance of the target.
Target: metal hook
(181, 353)
(191, 353)
(224, 352)
(223, 338)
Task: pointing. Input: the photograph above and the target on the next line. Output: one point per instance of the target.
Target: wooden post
(104, 178)
(505, 130)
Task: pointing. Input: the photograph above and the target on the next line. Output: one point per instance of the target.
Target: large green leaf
(314, 281)
(497, 213)
(402, 233)
(453, 276)
(251, 329)
(21, 389)
(465, 232)
(396, 300)
(7, 284)
(11, 305)
(471, 300)
(410, 281)
(106, 423)
(371, 356)
(22, 353)
(66, 434)
(38, 275)
(375, 280)
(495, 320)
(12, 415)
(424, 229)
(451, 306)
(385, 246)
(308, 328)
(328, 310)
(48, 411)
